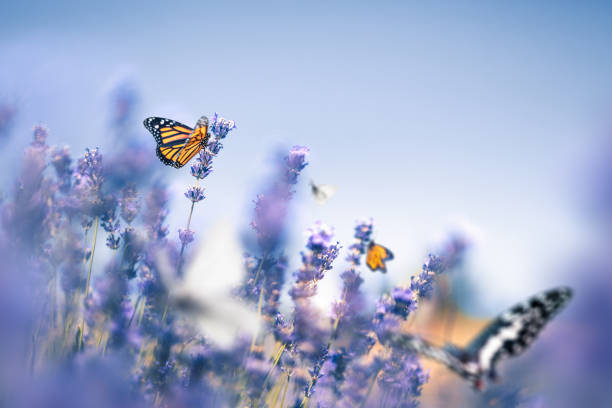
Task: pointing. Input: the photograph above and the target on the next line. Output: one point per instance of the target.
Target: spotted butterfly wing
(513, 331)
(177, 143)
(508, 335)
(376, 257)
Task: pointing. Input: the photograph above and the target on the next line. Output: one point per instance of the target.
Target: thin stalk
(142, 309)
(370, 387)
(274, 393)
(285, 391)
(93, 250)
(180, 260)
(263, 257)
(275, 361)
(259, 305)
(135, 309)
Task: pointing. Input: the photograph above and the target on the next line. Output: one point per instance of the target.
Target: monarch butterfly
(376, 257)
(177, 143)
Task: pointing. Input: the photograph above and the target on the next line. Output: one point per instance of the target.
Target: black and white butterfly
(507, 336)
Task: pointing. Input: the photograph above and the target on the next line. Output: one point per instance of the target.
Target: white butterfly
(322, 192)
(507, 336)
(203, 297)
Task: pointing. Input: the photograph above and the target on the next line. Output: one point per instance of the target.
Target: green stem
(277, 357)
(93, 250)
(263, 257)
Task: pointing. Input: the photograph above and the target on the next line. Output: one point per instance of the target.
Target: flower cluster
(91, 310)
(202, 168)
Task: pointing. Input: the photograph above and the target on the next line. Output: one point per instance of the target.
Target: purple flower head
(296, 161)
(205, 157)
(112, 240)
(129, 204)
(214, 146)
(40, 135)
(90, 166)
(220, 127)
(316, 260)
(107, 210)
(319, 235)
(195, 194)
(405, 301)
(423, 284)
(402, 379)
(186, 236)
(363, 229)
(61, 161)
(199, 170)
(434, 264)
(363, 233)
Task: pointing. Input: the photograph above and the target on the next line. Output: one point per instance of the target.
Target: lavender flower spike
(195, 194)
(186, 236)
(296, 161)
(220, 127)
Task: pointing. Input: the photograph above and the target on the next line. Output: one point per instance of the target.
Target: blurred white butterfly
(322, 192)
(203, 297)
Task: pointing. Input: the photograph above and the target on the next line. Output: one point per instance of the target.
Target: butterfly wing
(376, 257)
(171, 137)
(323, 192)
(198, 139)
(449, 356)
(512, 332)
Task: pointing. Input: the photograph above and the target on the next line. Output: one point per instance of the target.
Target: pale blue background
(428, 116)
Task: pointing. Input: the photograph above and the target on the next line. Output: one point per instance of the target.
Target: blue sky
(427, 116)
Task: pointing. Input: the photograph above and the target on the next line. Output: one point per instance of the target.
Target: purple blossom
(405, 301)
(112, 240)
(316, 260)
(186, 236)
(296, 161)
(319, 235)
(402, 379)
(363, 234)
(220, 127)
(214, 146)
(200, 171)
(129, 204)
(61, 161)
(423, 284)
(195, 194)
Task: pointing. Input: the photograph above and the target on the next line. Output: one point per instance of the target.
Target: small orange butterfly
(376, 257)
(177, 143)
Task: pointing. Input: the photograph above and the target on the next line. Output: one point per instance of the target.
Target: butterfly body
(507, 336)
(177, 143)
(376, 257)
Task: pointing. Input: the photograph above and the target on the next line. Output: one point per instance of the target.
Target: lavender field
(352, 232)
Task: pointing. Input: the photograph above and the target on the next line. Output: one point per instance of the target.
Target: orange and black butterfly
(377, 256)
(177, 143)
